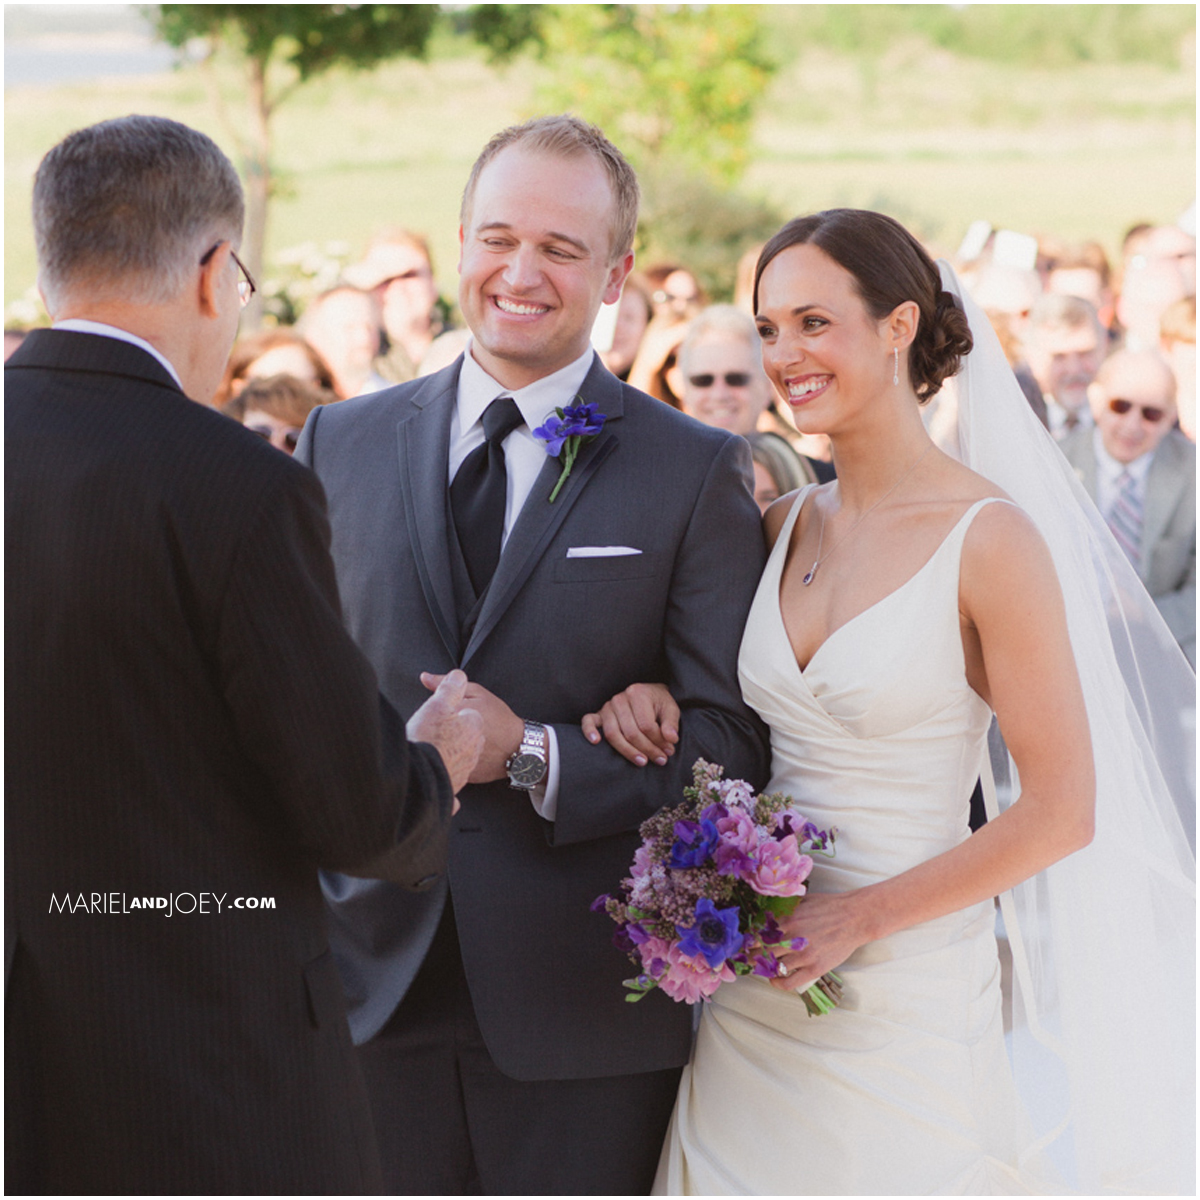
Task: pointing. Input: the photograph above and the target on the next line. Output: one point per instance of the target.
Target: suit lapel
(423, 443)
(539, 520)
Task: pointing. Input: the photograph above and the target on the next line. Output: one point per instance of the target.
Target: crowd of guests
(1105, 353)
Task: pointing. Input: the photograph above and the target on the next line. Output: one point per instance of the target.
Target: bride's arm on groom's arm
(642, 722)
(1019, 659)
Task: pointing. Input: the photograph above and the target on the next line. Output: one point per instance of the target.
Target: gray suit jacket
(1168, 550)
(555, 637)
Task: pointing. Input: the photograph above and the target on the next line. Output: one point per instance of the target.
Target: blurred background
(1069, 122)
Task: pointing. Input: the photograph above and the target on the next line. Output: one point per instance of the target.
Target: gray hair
(1060, 311)
(127, 208)
(725, 319)
(568, 136)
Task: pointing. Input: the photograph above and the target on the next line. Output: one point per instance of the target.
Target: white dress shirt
(81, 325)
(524, 457)
(1057, 415)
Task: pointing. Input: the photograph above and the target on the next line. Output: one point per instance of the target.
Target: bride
(901, 606)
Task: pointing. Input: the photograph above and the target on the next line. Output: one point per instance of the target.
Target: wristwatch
(527, 767)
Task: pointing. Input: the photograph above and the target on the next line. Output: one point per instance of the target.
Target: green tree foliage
(689, 219)
(1032, 35)
(667, 82)
(277, 48)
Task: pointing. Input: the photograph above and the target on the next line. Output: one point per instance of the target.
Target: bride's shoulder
(779, 510)
(1005, 559)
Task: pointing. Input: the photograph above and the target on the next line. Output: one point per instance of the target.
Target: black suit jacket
(186, 716)
(555, 637)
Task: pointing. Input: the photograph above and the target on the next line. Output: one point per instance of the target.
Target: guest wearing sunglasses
(1141, 471)
(276, 408)
(720, 375)
(722, 383)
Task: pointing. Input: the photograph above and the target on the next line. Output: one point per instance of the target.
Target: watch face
(526, 770)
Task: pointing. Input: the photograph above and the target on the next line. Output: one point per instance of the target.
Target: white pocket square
(600, 551)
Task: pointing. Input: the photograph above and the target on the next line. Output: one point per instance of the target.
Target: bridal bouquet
(708, 886)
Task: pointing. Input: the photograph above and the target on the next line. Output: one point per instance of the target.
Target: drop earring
(896, 367)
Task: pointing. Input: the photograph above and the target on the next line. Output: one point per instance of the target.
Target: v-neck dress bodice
(905, 1088)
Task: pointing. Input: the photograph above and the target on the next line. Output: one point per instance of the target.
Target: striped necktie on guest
(1125, 518)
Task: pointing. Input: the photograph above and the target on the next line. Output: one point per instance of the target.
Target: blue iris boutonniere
(565, 432)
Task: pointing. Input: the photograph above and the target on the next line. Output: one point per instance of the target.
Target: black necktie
(478, 492)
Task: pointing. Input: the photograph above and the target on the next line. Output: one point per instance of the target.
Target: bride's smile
(821, 347)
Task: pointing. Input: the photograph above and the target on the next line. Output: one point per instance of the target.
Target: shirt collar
(1111, 470)
(82, 325)
(477, 389)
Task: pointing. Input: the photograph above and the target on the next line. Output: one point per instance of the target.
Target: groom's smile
(535, 264)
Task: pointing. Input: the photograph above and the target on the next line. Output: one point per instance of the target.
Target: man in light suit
(1141, 472)
(498, 1048)
(190, 731)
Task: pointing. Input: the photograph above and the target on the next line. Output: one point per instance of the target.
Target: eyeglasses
(662, 296)
(416, 273)
(288, 438)
(1151, 414)
(732, 379)
(246, 285)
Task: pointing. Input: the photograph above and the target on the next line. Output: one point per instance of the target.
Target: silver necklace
(812, 571)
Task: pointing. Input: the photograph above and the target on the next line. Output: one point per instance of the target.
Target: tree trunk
(257, 168)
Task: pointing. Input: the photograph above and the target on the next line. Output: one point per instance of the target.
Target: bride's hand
(641, 723)
(832, 925)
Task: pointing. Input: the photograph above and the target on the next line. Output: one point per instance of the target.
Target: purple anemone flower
(695, 842)
(586, 420)
(714, 936)
(554, 432)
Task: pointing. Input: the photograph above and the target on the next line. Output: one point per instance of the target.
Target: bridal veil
(1103, 942)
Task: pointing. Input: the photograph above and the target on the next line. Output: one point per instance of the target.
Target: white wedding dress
(905, 1088)
(911, 1086)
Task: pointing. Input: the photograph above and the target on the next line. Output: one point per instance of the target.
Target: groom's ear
(460, 248)
(617, 274)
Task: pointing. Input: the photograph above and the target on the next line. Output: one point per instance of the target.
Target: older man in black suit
(191, 733)
(491, 1012)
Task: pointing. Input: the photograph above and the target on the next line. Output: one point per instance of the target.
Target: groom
(498, 1048)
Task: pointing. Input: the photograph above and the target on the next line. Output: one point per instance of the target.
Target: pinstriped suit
(185, 714)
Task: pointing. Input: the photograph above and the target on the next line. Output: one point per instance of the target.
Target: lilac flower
(642, 862)
(695, 842)
(714, 935)
(736, 792)
(781, 869)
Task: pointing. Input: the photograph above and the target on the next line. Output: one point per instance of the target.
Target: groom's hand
(502, 729)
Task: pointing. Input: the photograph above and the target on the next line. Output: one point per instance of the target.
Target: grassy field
(934, 139)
